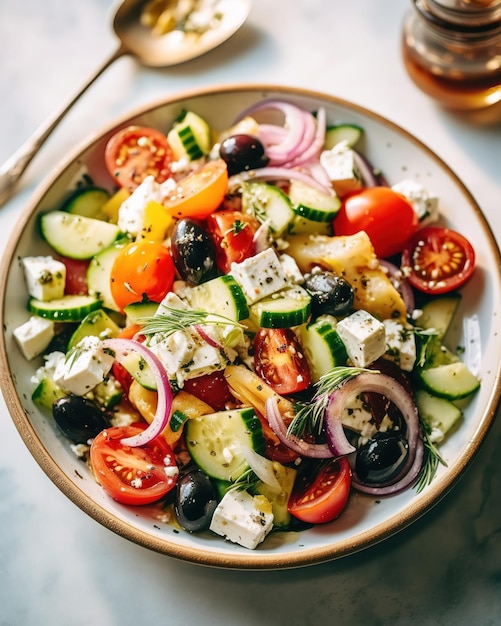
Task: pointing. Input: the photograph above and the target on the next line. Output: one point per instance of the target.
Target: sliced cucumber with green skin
(351, 133)
(46, 393)
(438, 313)
(107, 393)
(99, 274)
(190, 137)
(286, 477)
(453, 381)
(221, 295)
(303, 226)
(283, 309)
(88, 202)
(137, 312)
(216, 441)
(322, 347)
(312, 203)
(269, 204)
(77, 236)
(440, 414)
(65, 309)
(137, 367)
(97, 323)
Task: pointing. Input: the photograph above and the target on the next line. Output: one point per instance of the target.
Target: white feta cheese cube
(171, 301)
(400, 344)
(260, 275)
(45, 277)
(85, 368)
(340, 165)
(363, 336)
(242, 518)
(424, 202)
(291, 269)
(132, 212)
(34, 336)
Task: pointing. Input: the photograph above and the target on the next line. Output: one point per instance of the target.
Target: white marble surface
(58, 566)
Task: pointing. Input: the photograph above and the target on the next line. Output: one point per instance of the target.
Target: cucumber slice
(77, 236)
(438, 313)
(190, 137)
(107, 393)
(137, 367)
(99, 273)
(138, 311)
(312, 203)
(286, 477)
(322, 347)
(283, 309)
(351, 133)
(65, 309)
(46, 393)
(97, 323)
(453, 381)
(88, 202)
(439, 414)
(302, 226)
(268, 203)
(215, 441)
(221, 295)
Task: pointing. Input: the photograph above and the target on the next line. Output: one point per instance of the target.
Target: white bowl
(366, 520)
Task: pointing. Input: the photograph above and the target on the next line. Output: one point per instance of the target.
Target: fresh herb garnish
(431, 461)
(309, 418)
(179, 319)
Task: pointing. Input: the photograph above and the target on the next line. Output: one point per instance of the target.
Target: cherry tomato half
(132, 475)
(142, 269)
(438, 260)
(233, 235)
(211, 388)
(322, 498)
(200, 193)
(279, 360)
(386, 216)
(76, 275)
(136, 152)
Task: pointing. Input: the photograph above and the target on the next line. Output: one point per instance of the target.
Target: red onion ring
(316, 144)
(366, 170)
(391, 389)
(278, 173)
(121, 347)
(301, 447)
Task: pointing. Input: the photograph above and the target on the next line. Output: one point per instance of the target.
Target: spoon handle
(12, 170)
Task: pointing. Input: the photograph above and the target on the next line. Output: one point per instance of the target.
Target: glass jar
(452, 51)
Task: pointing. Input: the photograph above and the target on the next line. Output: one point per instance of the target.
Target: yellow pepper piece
(111, 208)
(157, 223)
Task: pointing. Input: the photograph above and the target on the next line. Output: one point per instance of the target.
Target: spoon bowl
(139, 41)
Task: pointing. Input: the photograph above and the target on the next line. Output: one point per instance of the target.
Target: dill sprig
(247, 481)
(309, 418)
(432, 459)
(179, 319)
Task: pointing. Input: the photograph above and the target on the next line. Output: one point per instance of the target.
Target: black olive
(381, 458)
(80, 419)
(195, 501)
(193, 252)
(331, 294)
(242, 152)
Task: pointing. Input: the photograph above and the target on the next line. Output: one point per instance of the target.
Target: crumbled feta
(132, 212)
(45, 277)
(400, 344)
(242, 518)
(340, 165)
(291, 269)
(424, 202)
(260, 275)
(363, 336)
(84, 367)
(34, 336)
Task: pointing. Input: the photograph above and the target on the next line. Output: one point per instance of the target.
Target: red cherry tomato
(76, 275)
(322, 498)
(386, 216)
(136, 152)
(132, 475)
(438, 260)
(275, 450)
(279, 360)
(233, 235)
(142, 269)
(211, 388)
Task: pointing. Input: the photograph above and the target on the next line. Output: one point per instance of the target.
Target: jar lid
(466, 12)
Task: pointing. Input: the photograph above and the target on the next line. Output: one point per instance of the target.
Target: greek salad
(248, 325)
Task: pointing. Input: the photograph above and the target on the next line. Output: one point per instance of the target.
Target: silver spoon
(151, 50)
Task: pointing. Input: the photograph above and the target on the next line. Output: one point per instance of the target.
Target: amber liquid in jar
(457, 65)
